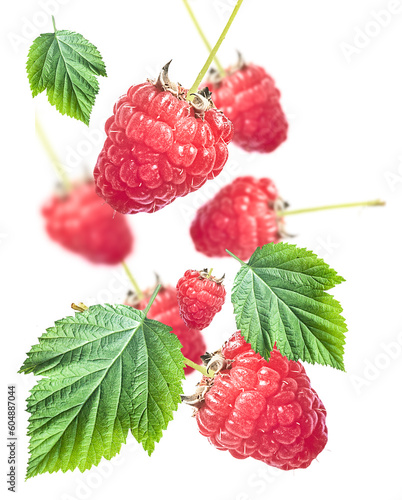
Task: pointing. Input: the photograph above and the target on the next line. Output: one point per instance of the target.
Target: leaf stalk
(152, 299)
(237, 258)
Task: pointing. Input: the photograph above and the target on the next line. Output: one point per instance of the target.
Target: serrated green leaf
(107, 370)
(66, 65)
(280, 296)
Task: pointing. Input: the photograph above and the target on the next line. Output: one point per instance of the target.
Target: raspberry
(160, 147)
(248, 97)
(166, 310)
(241, 217)
(200, 297)
(82, 223)
(262, 409)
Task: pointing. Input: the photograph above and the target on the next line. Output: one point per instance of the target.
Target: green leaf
(107, 370)
(66, 65)
(280, 296)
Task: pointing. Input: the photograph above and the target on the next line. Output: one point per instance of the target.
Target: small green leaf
(280, 296)
(106, 371)
(66, 65)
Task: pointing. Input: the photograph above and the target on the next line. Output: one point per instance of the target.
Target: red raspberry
(166, 310)
(248, 97)
(262, 409)
(200, 297)
(160, 146)
(241, 217)
(84, 224)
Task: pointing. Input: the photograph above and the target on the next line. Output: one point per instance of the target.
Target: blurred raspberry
(81, 222)
(248, 97)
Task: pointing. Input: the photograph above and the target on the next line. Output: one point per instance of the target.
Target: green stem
(199, 368)
(52, 154)
(54, 24)
(210, 272)
(152, 299)
(137, 289)
(237, 258)
(203, 37)
(213, 52)
(373, 203)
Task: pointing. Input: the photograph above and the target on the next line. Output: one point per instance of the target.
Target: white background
(344, 145)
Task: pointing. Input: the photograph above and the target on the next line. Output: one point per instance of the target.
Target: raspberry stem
(203, 37)
(210, 272)
(199, 368)
(152, 299)
(372, 203)
(54, 24)
(80, 307)
(213, 52)
(52, 154)
(133, 281)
